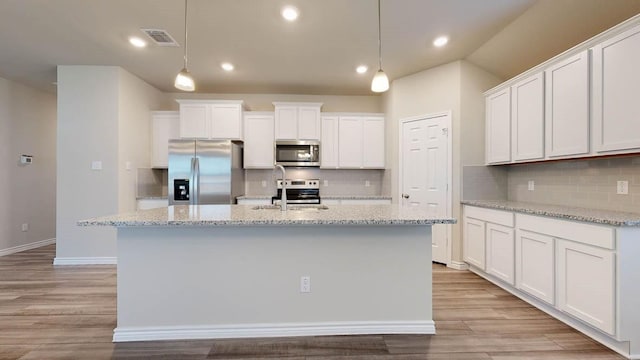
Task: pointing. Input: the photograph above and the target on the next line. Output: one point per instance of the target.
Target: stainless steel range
(299, 191)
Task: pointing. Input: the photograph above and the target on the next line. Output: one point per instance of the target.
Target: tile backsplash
(338, 182)
(583, 183)
(484, 183)
(151, 182)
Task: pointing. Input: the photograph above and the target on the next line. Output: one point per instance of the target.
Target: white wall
(27, 126)
(102, 116)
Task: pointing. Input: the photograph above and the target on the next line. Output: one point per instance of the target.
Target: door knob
(406, 196)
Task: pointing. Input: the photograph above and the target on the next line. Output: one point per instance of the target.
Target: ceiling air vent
(160, 37)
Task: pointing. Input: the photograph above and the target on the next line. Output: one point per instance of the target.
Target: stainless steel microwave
(297, 153)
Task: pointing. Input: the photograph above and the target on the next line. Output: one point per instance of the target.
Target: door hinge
(445, 131)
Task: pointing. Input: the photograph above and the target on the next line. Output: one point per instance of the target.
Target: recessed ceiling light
(441, 41)
(227, 66)
(137, 42)
(362, 69)
(290, 13)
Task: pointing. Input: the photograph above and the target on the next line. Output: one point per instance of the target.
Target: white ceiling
(317, 54)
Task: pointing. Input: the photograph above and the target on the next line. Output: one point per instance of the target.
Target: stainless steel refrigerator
(205, 172)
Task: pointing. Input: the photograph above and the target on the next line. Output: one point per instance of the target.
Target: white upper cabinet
(527, 118)
(211, 119)
(616, 85)
(165, 125)
(498, 127)
(361, 142)
(258, 140)
(329, 142)
(297, 121)
(567, 107)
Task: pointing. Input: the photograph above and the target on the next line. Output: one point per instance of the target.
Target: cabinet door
(165, 125)
(226, 121)
(194, 121)
(474, 242)
(616, 85)
(500, 252)
(309, 123)
(350, 142)
(258, 141)
(286, 123)
(567, 107)
(373, 143)
(535, 265)
(498, 127)
(586, 284)
(329, 142)
(527, 118)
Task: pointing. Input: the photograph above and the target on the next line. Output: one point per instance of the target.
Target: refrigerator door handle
(196, 181)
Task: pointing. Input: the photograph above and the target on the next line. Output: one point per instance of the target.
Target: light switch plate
(96, 165)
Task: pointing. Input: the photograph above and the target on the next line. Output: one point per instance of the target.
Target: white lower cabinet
(535, 265)
(145, 204)
(500, 260)
(473, 244)
(254, 201)
(586, 283)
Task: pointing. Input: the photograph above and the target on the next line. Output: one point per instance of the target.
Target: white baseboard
(272, 330)
(458, 265)
(33, 245)
(103, 260)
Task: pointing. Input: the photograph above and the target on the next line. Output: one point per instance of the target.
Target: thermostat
(26, 159)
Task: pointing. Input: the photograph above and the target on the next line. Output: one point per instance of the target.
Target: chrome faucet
(283, 197)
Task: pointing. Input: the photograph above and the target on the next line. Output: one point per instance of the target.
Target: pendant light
(380, 81)
(184, 81)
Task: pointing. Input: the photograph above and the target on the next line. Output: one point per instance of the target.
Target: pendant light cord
(379, 40)
(186, 34)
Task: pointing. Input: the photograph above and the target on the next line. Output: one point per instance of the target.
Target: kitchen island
(221, 271)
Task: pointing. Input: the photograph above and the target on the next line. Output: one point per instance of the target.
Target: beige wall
(455, 87)
(27, 126)
(102, 116)
(263, 102)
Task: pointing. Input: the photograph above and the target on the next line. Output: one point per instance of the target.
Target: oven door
(297, 153)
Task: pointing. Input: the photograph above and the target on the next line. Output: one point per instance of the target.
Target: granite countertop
(245, 215)
(606, 217)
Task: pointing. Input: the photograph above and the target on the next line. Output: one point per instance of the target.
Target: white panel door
(286, 123)
(226, 121)
(535, 265)
(425, 173)
(616, 85)
(586, 284)
(194, 121)
(567, 107)
(373, 143)
(500, 252)
(350, 142)
(309, 123)
(258, 141)
(527, 118)
(498, 127)
(329, 142)
(473, 242)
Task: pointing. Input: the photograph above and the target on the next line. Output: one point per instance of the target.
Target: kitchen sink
(292, 207)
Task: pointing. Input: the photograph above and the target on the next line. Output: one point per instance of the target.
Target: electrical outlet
(25, 227)
(531, 185)
(264, 183)
(367, 183)
(326, 183)
(623, 187)
(96, 165)
(305, 284)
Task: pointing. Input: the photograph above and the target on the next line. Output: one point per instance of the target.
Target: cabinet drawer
(594, 235)
(489, 215)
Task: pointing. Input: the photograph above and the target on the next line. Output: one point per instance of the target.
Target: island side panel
(207, 282)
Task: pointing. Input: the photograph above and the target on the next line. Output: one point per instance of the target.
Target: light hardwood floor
(69, 312)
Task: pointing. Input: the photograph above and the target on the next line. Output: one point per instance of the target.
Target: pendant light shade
(184, 80)
(380, 82)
